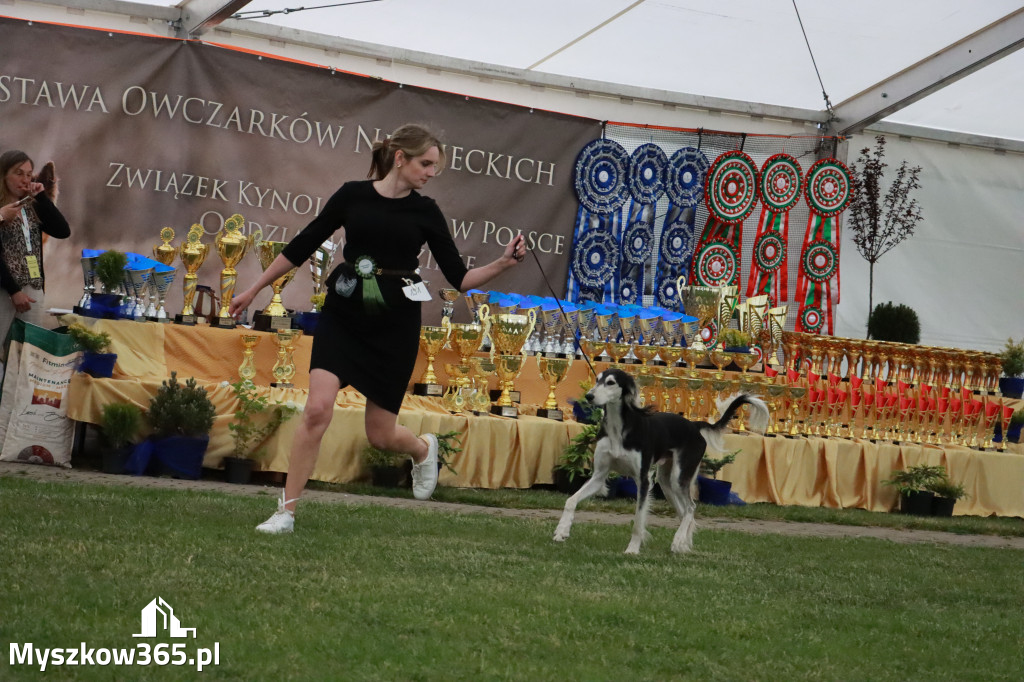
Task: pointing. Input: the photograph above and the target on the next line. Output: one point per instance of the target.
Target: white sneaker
(282, 521)
(424, 474)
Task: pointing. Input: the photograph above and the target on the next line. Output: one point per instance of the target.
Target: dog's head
(613, 386)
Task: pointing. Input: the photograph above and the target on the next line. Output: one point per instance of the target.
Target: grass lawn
(375, 593)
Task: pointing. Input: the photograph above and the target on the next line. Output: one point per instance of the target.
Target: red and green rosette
(829, 189)
(780, 187)
(730, 192)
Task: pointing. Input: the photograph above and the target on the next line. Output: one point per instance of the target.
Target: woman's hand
(22, 301)
(516, 249)
(240, 302)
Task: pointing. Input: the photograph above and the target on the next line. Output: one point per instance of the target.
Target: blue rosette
(648, 168)
(684, 182)
(600, 176)
(595, 259)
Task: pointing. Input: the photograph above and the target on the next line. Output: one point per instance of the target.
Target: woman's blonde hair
(8, 160)
(412, 140)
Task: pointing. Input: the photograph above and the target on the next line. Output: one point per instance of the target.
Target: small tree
(881, 222)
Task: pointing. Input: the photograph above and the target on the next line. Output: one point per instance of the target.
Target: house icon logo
(158, 615)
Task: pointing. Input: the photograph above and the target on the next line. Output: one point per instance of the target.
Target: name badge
(33, 266)
(415, 292)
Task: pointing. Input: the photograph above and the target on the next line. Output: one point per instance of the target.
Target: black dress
(375, 352)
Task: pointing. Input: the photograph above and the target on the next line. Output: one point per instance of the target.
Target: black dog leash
(558, 302)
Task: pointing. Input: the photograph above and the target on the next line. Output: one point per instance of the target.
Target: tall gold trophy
(432, 340)
(703, 303)
(284, 367)
(508, 332)
(163, 277)
(231, 247)
(552, 370)
(320, 267)
(275, 316)
(192, 253)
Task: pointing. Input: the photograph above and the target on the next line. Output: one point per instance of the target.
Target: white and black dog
(632, 439)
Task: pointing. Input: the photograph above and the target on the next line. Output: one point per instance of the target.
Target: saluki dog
(632, 439)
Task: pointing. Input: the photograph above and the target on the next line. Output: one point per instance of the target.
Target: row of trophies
(142, 284)
(829, 387)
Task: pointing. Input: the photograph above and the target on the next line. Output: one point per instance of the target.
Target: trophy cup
(138, 280)
(192, 253)
(89, 277)
(465, 340)
(275, 316)
(553, 370)
(247, 370)
(480, 398)
(163, 276)
(702, 303)
(551, 322)
(319, 268)
(448, 298)
(508, 332)
(231, 247)
(432, 340)
(284, 367)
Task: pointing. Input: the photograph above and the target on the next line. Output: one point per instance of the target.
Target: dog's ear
(629, 392)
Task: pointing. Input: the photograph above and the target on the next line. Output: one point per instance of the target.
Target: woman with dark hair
(26, 213)
(368, 332)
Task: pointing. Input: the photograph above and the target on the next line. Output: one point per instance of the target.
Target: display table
(518, 453)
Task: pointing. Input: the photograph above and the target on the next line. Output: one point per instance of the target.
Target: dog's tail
(727, 408)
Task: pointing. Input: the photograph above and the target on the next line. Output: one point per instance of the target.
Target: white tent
(940, 78)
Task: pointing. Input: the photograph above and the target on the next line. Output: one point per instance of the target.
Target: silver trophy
(89, 276)
(571, 324)
(137, 281)
(128, 299)
(163, 277)
(320, 267)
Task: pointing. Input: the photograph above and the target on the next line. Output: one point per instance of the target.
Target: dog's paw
(632, 550)
(681, 547)
(560, 537)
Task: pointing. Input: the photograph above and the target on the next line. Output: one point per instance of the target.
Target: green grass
(539, 498)
(374, 593)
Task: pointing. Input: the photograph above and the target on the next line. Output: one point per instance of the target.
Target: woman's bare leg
(385, 433)
(316, 417)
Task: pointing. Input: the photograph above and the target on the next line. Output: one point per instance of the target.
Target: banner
(151, 132)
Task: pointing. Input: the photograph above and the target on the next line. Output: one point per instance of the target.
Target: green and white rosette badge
(373, 301)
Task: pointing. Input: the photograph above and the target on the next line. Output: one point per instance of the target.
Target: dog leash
(577, 334)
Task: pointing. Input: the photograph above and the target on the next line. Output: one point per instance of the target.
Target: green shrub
(180, 410)
(109, 269)
(712, 465)
(734, 338)
(578, 457)
(1013, 358)
(916, 478)
(254, 422)
(94, 342)
(896, 323)
(120, 423)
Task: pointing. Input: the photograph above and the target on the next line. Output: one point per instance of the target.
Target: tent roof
(750, 51)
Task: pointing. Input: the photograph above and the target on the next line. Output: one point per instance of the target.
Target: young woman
(25, 214)
(368, 332)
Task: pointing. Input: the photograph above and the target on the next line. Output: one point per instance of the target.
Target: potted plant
(254, 421)
(109, 270)
(97, 360)
(446, 448)
(946, 495)
(577, 460)
(1012, 383)
(181, 416)
(912, 486)
(1016, 421)
(896, 323)
(711, 490)
(734, 340)
(388, 469)
(120, 424)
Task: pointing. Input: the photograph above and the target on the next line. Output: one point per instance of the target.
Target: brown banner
(150, 132)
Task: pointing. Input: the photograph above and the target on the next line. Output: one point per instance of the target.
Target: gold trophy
(432, 340)
(231, 247)
(192, 253)
(553, 370)
(508, 333)
(284, 367)
(247, 370)
(275, 316)
(319, 268)
(163, 277)
(702, 303)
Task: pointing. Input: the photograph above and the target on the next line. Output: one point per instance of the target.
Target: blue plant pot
(713, 491)
(1011, 387)
(106, 306)
(99, 365)
(177, 456)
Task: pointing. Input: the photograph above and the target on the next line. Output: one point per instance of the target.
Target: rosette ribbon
(829, 189)
(731, 194)
(780, 187)
(646, 182)
(684, 187)
(600, 181)
(366, 269)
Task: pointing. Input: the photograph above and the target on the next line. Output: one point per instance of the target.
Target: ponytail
(411, 139)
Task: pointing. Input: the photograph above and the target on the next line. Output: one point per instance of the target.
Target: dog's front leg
(640, 534)
(591, 487)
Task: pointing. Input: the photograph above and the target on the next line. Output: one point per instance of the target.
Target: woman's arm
(242, 301)
(477, 277)
(51, 220)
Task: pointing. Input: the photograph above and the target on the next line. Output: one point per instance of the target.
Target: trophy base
(162, 320)
(223, 322)
(551, 414)
(268, 323)
(514, 395)
(188, 320)
(282, 384)
(554, 355)
(431, 390)
(659, 363)
(505, 411)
